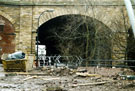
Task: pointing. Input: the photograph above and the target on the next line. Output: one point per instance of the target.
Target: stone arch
(130, 50)
(60, 12)
(7, 36)
(108, 17)
(7, 17)
(47, 29)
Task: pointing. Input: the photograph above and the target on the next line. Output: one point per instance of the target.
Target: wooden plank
(87, 74)
(86, 84)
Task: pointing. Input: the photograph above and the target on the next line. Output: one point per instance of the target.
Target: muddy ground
(50, 79)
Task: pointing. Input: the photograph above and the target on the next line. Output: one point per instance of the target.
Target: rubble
(127, 77)
(87, 75)
(2, 75)
(55, 89)
(58, 71)
(64, 79)
(7, 85)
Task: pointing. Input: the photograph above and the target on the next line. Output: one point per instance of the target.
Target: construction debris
(41, 77)
(58, 71)
(127, 77)
(31, 77)
(54, 89)
(82, 70)
(63, 79)
(87, 75)
(85, 84)
(16, 55)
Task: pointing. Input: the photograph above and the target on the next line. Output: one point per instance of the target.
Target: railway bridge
(20, 20)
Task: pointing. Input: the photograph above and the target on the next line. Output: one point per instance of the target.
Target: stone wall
(61, 2)
(25, 17)
(51, 2)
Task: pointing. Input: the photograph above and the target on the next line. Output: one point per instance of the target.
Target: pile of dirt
(58, 71)
(65, 79)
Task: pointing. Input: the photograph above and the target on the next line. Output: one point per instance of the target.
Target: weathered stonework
(25, 17)
(51, 2)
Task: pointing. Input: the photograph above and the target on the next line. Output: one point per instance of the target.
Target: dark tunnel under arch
(76, 35)
(130, 50)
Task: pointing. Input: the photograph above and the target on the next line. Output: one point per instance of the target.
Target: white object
(41, 49)
(41, 53)
(130, 14)
(16, 55)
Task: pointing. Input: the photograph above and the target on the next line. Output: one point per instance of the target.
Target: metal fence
(77, 61)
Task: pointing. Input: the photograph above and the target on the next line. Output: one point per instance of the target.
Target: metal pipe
(130, 14)
(32, 30)
(51, 10)
(37, 39)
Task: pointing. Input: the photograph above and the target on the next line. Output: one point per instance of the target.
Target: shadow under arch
(7, 36)
(130, 50)
(76, 35)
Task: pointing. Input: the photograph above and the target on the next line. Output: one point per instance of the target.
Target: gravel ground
(21, 82)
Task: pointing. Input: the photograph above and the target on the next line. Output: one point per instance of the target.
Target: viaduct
(20, 20)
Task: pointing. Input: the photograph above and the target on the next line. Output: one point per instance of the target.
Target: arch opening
(130, 50)
(7, 44)
(76, 35)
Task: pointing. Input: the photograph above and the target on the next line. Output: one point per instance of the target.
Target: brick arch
(7, 36)
(7, 17)
(59, 12)
(102, 15)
